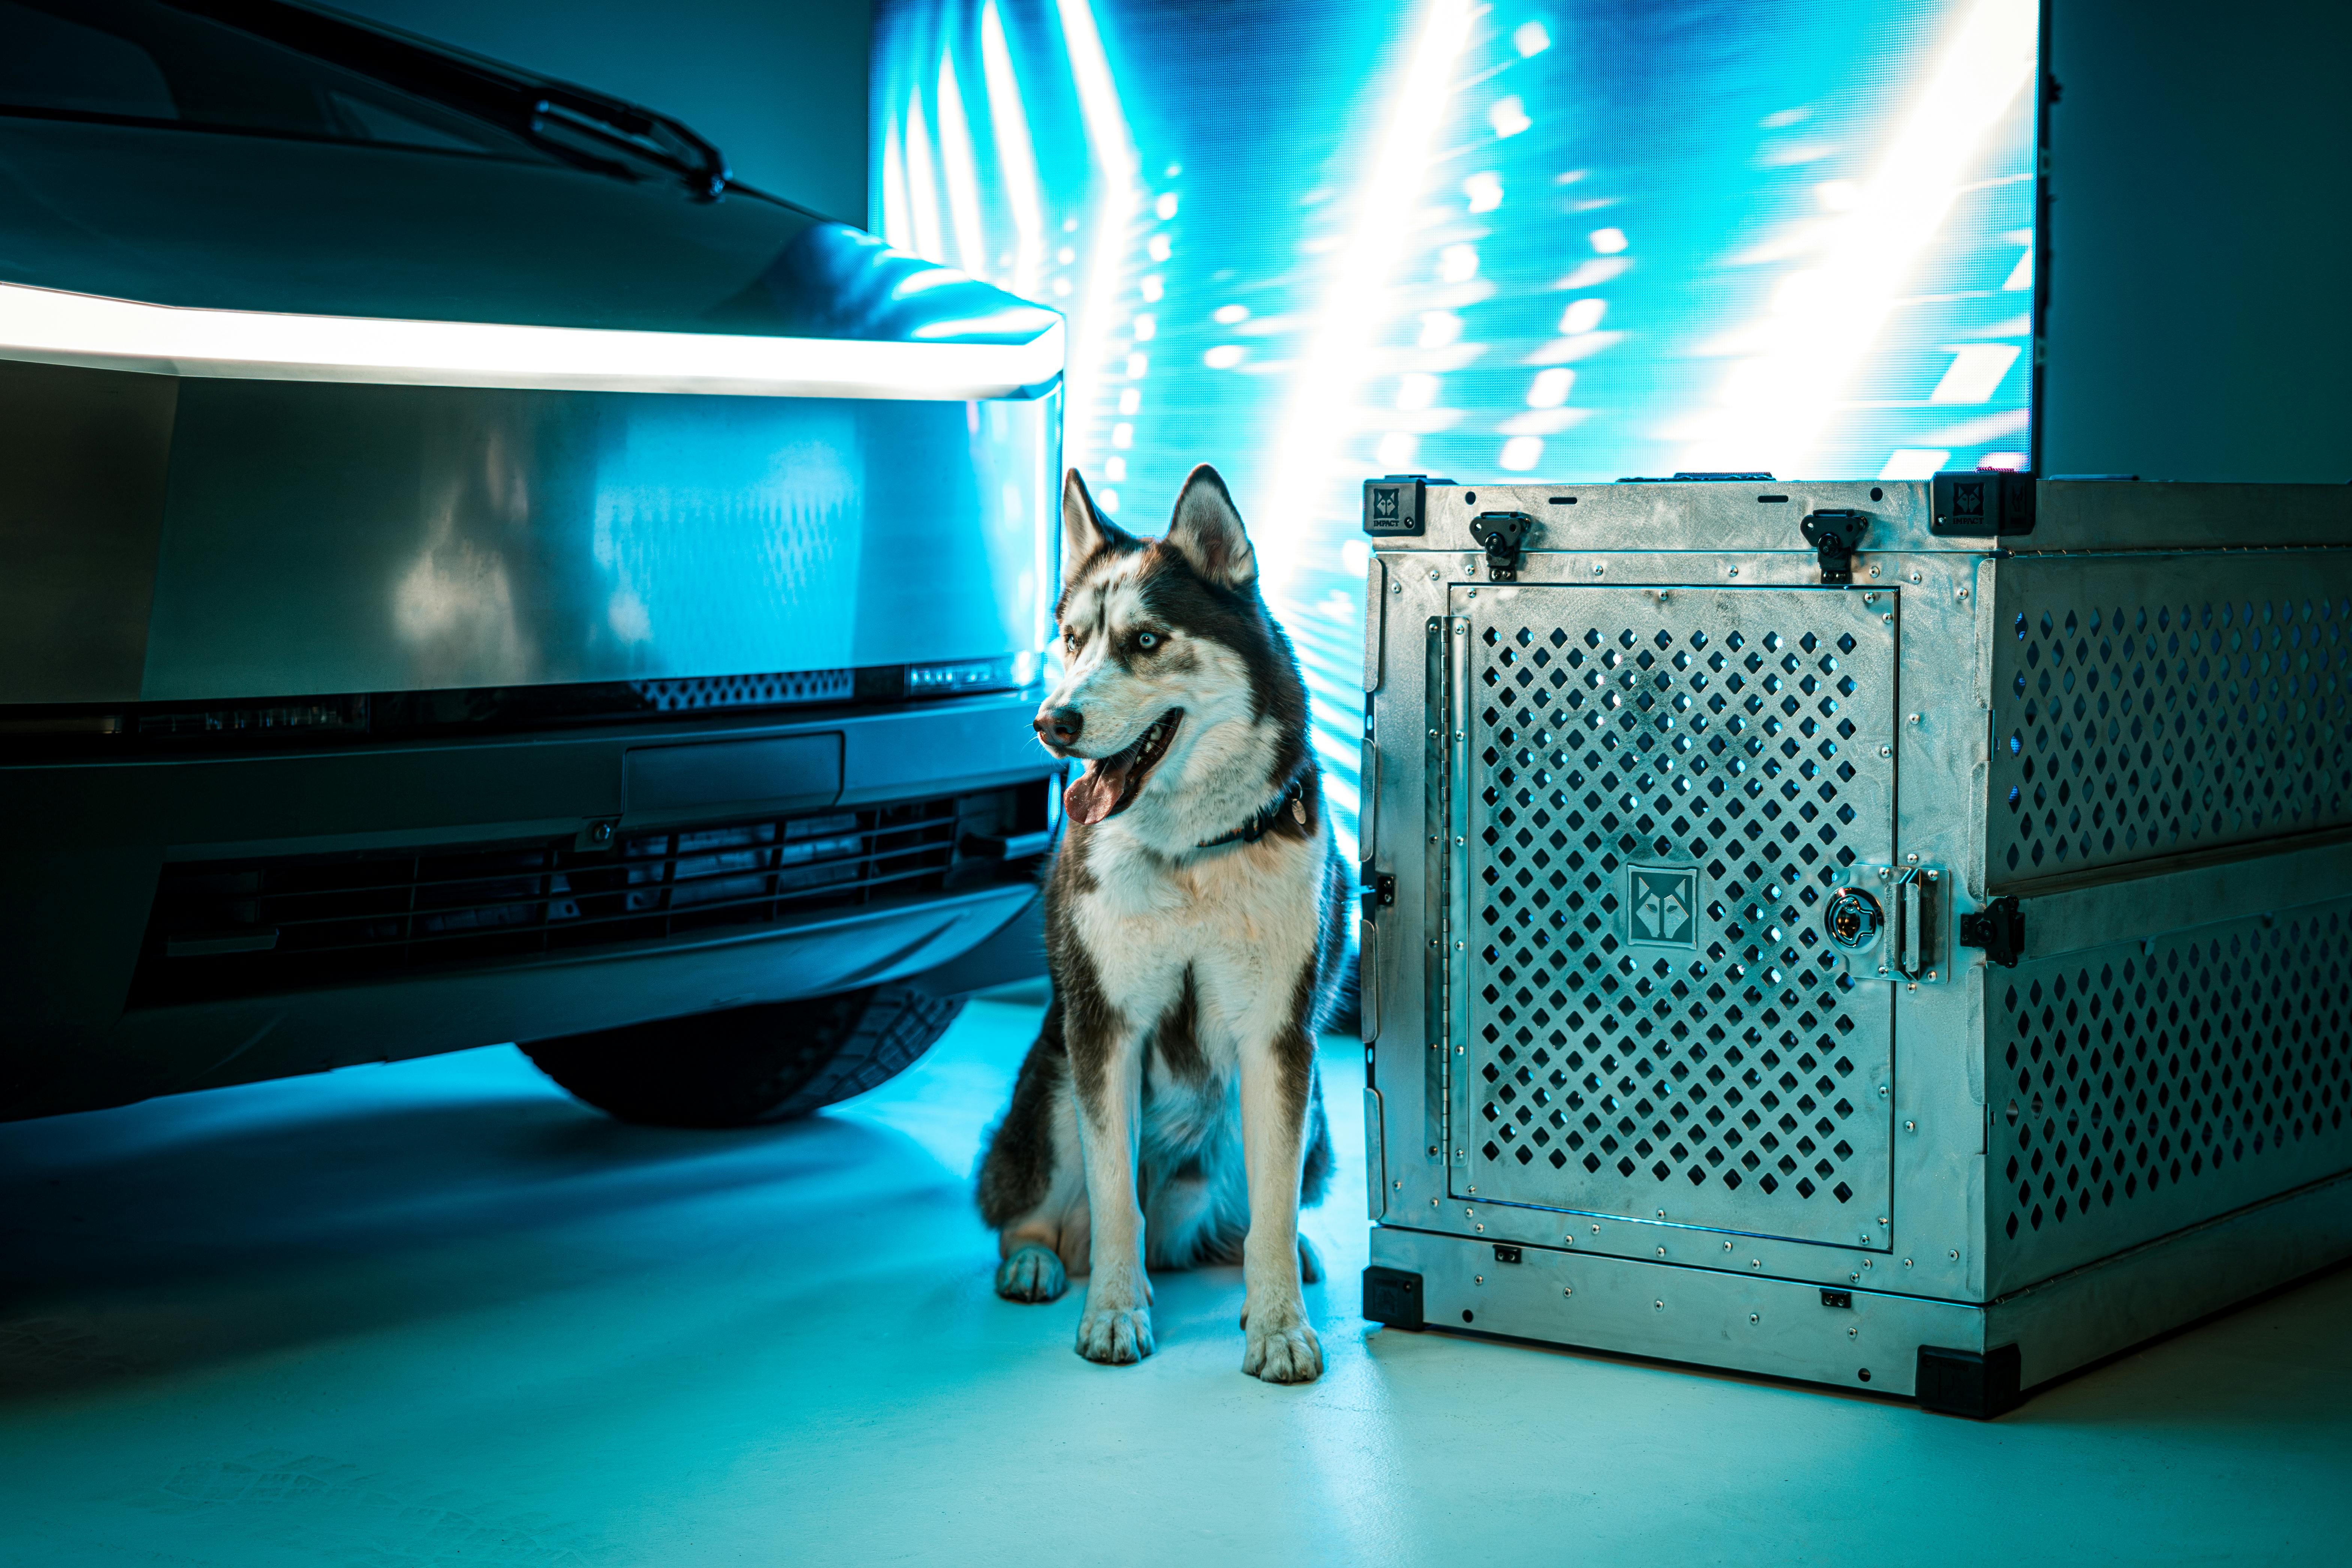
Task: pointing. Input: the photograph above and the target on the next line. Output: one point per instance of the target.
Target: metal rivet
(1567, 1290)
(1735, 571)
(1473, 593)
(1956, 1255)
(1871, 598)
(1662, 1252)
(1596, 569)
(1910, 1127)
(1906, 1263)
(1477, 1278)
(1727, 1246)
(1959, 593)
(1754, 1263)
(1915, 576)
(1752, 1318)
(1874, 571)
(1888, 617)
(1596, 1230)
(1886, 750)
(1660, 1306)
(1853, 1333)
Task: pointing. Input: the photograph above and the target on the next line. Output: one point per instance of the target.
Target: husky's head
(1178, 689)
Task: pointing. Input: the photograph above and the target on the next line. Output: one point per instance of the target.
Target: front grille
(289, 922)
(701, 693)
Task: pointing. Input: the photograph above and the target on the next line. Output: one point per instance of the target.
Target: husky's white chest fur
(1239, 925)
(1169, 1109)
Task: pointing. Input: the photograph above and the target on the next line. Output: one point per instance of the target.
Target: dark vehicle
(470, 572)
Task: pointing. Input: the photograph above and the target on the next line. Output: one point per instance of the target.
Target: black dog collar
(1291, 799)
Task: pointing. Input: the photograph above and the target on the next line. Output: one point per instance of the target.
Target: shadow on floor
(235, 1234)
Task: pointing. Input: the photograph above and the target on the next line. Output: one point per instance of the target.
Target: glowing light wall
(1574, 240)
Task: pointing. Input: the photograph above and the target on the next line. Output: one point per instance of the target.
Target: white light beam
(1323, 392)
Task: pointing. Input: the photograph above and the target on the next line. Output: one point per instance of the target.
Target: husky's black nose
(1059, 726)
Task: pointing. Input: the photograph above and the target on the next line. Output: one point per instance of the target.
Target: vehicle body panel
(369, 506)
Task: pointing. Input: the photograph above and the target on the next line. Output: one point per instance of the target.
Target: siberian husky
(1170, 1110)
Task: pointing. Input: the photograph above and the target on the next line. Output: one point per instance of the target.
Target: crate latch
(1835, 534)
(1998, 929)
(1502, 532)
(1380, 893)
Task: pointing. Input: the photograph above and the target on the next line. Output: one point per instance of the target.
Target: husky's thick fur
(1170, 1110)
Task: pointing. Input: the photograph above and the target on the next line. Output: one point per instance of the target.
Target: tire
(749, 1064)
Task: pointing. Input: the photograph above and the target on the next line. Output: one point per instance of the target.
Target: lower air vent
(249, 927)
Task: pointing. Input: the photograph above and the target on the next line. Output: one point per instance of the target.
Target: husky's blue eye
(1147, 641)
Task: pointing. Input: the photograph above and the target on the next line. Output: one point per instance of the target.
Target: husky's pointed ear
(1208, 531)
(1084, 529)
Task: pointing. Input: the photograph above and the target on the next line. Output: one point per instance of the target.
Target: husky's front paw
(1116, 1336)
(1281, 1348)
(1031, 1274)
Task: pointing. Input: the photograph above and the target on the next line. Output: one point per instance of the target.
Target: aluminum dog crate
(1889, 934)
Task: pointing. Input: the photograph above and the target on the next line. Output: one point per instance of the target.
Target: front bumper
(94, 838)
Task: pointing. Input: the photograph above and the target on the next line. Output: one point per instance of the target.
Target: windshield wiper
(580, 126)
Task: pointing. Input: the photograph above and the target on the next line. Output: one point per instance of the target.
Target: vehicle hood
(258, 223)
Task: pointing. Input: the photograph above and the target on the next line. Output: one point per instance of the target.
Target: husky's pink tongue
(1094, 794)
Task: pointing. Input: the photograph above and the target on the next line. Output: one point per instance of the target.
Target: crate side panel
(2153, 705)
(2142, 1086)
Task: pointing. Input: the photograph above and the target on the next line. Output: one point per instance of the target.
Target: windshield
(138, 63)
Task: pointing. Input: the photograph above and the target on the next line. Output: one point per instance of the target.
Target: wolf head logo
(1663, 905)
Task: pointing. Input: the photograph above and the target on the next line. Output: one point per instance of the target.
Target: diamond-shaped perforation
(2126, 729)
(2138, 1090)
(1735, 1082)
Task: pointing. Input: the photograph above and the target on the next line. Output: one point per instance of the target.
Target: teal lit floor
(438, 1313)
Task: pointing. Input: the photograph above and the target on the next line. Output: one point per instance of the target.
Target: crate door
(1649, 790)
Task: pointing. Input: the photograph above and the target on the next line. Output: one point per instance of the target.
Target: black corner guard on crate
(1392, 1296)
(1967, 1383)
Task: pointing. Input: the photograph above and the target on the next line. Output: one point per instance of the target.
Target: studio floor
(438, 1313)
